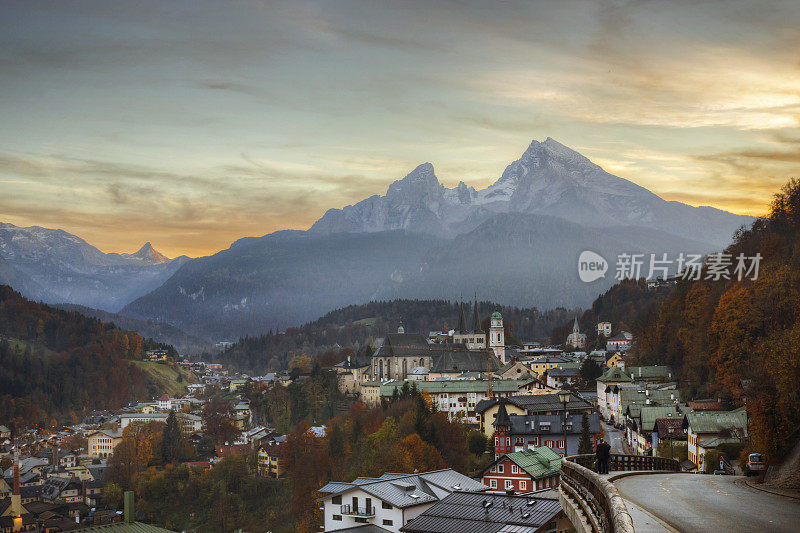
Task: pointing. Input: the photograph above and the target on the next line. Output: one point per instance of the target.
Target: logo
(591, 266)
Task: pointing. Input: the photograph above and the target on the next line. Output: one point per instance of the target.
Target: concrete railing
(591, 501)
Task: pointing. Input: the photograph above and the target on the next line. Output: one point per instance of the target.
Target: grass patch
(165, 377)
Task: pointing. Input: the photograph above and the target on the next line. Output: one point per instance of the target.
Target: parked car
(719, 473)
(754, 465)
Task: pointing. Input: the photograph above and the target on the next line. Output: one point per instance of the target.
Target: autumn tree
(218, 421)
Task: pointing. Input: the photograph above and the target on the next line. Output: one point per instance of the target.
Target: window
(495, 442)
(523, 485)
(387, 522)
(493, 483)
(509, 484)
(520, 441)
(561, 444)
(494, 469)
(514, 469)
(385, 505)
(500, 468)
(337, 499)
(361, 520)
(337, 517)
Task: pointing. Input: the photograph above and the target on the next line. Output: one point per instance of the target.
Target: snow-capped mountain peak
(148, 254)
(549, 178)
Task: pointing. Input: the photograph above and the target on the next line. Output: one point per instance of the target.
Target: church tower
(502, 431)
(497, 340)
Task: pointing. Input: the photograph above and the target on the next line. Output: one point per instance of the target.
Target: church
(576, 339)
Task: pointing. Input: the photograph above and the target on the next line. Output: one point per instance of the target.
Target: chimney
(128, 507)
(640, 371)
(16, 499)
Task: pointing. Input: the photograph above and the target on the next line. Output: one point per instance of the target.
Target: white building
(391, 500)
(164, 403)
(497, 339)
(604, 328)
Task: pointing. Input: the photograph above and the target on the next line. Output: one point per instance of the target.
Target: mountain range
(515, 242)
(54, 266)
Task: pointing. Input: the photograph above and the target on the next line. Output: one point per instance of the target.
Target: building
(473, 338)
(530, 404)
(497, 336)
(604, 328)
(400, 352)
(558, 378)
(469, 512)
(459, 398)
(351, 373)
(236, 384)
(514, 369)
(524, 471)
(269, 460)
(371, 393)
(621, 342)
(156, 355)
(576, 339)
(101, 443)
(616, 359)
(541, 365)
(188, 423)
(164, 403)
(390, 501)
(707, 430)
(532, 431)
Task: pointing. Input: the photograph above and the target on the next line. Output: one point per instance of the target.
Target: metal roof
(407, 490)
(717, 421)
(539, 462)
(485, 513)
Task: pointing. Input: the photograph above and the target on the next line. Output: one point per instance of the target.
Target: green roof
(497, 314)
(649, 414)
(4, 429)
(457, 386)
(648, 372)
(715, 441)
(539, 462)
(126, 527)
(717, 421)
(614, 375)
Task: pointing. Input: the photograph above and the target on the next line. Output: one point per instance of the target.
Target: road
(698, 503)
(613, 436)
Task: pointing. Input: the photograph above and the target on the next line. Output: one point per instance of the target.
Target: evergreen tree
(171, 442)
(585, 444)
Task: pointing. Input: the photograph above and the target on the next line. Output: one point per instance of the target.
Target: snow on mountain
(549, 178)
(65, 268)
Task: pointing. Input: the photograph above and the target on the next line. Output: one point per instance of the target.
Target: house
(641, 420)
(188, 423)
(101, 443)
(5, 433)
(390, 501)
(558, 378)
(576, 339)
(164, 403)
(542, 364)
(371, 393)
(604, 328)
(530, 404)
(621, 342)
(62, 490)
(613, 377)
(419, 373)
(483, 513)
(616, 359)
(533, 431)
(352, 373)
(707, 430)
(269, 460)
(236, 384)
(670, 429)
(156, 355)
(523, 471)
(242, 416)
(514, 369)
(460, 397)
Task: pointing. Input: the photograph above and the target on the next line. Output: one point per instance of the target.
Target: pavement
(613, 437)
(700, 503)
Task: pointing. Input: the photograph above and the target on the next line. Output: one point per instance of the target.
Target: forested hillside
(57, 364)
(739, 339)
(357, 326)
(626, 305)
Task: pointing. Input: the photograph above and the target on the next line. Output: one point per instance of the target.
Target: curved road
(699, 503)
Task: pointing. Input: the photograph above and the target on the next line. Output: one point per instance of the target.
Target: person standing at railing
(602, 453)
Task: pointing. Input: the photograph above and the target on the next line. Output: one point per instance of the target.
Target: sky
(191, 124)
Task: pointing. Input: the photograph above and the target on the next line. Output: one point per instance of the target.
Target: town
(523, 408)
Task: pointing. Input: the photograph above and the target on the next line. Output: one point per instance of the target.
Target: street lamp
(563, 397)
